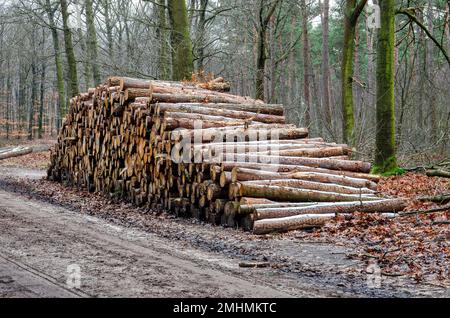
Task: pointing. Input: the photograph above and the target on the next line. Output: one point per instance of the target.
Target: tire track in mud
(115, 261)
(49, 284)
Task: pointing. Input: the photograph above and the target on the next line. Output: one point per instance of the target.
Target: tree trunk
(71, 61)
(261, 44)
(306, 65)
(87, 67)
(61, 110)
(34, 84)
(291, 61)
(326, 67)
(161, 33)
(385, 158)
(8, 100)
(108, 27)
(370, 88)
(182, 59)
(261, 58)
(201, 33)
(348, 124)
(42, 95)
(430, 70)
(92, 42)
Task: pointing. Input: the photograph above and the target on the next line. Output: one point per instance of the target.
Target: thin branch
(425, 29)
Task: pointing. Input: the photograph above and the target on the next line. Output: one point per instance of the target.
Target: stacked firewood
(198, 151)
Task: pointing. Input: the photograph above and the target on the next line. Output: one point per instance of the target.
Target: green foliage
(389, 169)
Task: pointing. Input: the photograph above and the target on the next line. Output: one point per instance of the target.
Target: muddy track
(120, 255)
(20, 280)
(43, 241)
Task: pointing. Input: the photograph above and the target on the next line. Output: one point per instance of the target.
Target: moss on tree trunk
(71, 61)
(385, 157)
(58, 65)
(92, 42)
(162, 34)
(182, 57)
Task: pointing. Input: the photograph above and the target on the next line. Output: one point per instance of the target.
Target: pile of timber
(197, 151)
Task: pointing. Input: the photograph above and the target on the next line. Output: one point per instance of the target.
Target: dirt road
(39, 242)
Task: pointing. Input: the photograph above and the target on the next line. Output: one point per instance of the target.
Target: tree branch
(358, 10)
(424, 28)
(271, 12)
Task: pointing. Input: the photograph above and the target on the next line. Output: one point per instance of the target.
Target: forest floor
(133, 252)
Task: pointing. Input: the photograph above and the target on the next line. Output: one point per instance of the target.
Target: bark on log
(243, 174)
(243, 115)
(380, 206)
(127, 82)
(328, 187)
(347, 165)
(12, 152)
(186, 123)
(312, 153)
(229, 166)
(263, 109)
(132, 93)
(245, 209)
(278, 131)
(287, 194)
(195, 98)
(291, 223)
(438, 173)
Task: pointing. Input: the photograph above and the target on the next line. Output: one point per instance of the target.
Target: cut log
(229, 166)
(127, 83)
(197, 98)
(243, 133)
(347, 165)
(287, 194)
(186, 123)
(253, 201)
(205, 118)
(262, 109)
(396, 205)
(243, 115)
(291, 223)
(245, 209)
(312, 153)
(310, 185)
(133, 93)
(243, 174)
(438, 173)
(12, 152)
(441, 199)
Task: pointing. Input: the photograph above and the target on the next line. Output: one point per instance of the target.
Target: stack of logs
(198, 151)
